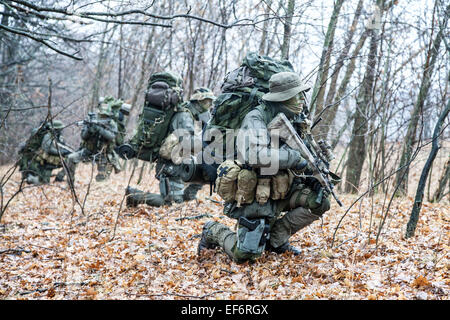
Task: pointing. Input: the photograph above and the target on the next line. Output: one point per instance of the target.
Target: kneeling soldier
(257, 199)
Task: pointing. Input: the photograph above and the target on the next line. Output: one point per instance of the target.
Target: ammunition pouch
(246, 186)
(263, 190)
(307, 198)
(281, 184)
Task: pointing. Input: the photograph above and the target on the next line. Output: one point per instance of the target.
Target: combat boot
(32, 179)
(129, 193)
(135, 197)
(287, 247)
(190, 192)
(205, 243)
(60, 176)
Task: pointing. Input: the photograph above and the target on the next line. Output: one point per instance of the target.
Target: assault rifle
(317, 155)
(92, 121)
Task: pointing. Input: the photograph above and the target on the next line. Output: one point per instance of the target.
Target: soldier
(98, 136)
(199, 105)
(37, 165)
(162, 118)
(120, 111)
(260, 226)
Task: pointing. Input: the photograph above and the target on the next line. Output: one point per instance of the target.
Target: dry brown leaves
(49, 250)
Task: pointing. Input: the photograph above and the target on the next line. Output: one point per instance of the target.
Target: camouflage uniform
(98, 141)
(262, 226)
(199, 105)
(120, 111)
(37, 166)
(172, 188)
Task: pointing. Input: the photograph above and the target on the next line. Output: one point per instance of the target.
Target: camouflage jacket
(257, 151)
(98, 136)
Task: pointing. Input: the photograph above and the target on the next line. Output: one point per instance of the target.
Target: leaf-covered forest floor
(49, 249)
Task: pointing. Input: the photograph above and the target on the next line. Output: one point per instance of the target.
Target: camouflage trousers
(35, 172)
(171, 188)
(298, 215)
(106, 162)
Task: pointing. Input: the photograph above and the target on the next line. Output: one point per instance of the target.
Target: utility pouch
(281, 183)
(226, 182)
(263, 190)
(160, 94)
(167, 146)
(246, 186)
(252, 235)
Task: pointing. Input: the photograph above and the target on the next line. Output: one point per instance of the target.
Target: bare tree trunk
(402, 175)
(328, 118)
(263, 41)
(439, 193)
(99, 71)
(414, 218)
(318, 92)
(357, 151)
(287, 30)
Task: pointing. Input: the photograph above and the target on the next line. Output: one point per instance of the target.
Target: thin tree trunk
(287, 30)
(357, 151)
(317, 94)
(327, 118)
(439, 193)
(263, 41)
(414, 218)
(402, 175)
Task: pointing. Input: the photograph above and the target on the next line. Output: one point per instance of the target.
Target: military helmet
(116, 104)
(56, 125)
(107, 99)
(202, 93)
(104, 110)
(283, 86)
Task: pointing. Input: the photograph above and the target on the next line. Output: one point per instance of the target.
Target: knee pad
(307, 198)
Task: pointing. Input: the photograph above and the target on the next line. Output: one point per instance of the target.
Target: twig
(14, 251)
(200, 216)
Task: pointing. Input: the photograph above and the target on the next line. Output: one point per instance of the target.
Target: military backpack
(163, 96)
(242, 90)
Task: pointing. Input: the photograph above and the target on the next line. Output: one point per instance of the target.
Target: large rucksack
(242, 90)
(164, 94)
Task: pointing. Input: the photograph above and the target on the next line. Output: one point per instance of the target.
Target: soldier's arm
(254, 145)
(183, 125)
(109, 131)
(49, 145)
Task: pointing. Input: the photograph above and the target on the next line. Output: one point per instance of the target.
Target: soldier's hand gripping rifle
(92, 121)
(282, 127)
